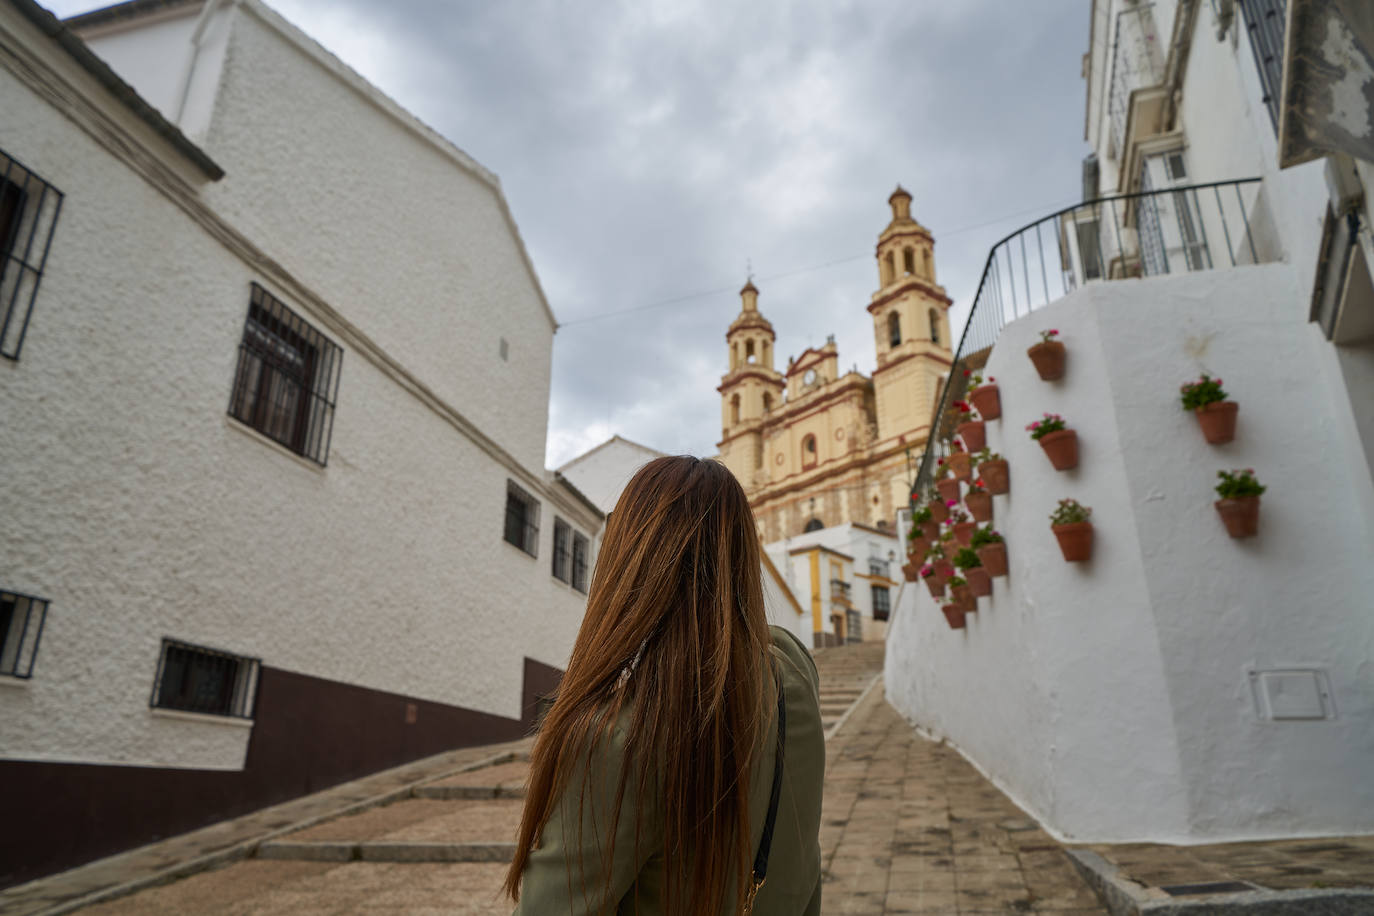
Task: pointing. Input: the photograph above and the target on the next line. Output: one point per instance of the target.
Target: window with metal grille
(28, 215)
(562, 550)
(581, 554)
(882, 605)
(21, 627)
(522, 519)
(1264, 23)
(196, 679)
(287, 378)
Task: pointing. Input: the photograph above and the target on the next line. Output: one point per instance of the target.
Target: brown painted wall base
(308, 734)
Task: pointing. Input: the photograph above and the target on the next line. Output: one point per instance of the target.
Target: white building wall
(342, 185)
(141, 511)
(602, 473)
(1113, 699)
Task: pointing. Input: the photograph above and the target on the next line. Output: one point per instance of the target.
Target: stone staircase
(846, 671)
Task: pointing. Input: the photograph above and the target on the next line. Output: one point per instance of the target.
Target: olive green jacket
(552, 884)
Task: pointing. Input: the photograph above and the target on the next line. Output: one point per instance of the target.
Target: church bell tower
(910, 324)
(749, 390)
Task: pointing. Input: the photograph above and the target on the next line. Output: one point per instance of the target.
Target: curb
(246, 849)
(386, 852)
(1124, 897)
(450, 793)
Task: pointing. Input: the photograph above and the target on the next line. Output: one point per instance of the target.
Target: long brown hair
(676, 587)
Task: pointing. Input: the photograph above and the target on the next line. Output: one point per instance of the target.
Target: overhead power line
(722, 290)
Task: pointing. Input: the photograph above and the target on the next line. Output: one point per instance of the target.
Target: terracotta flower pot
(1241, 515)
(1048, 357)
(963, 597)
(996, 476)
(1075, 540)
(988, 401)
(936, 586)
(1218, 421)
(954, 616)
(961, 465)
(979, 580)
(979, 505)
(938, 510)
(916, 550)
(963, 533)
(1062, 448)
(948, 487)
(994, 557)
(943, 570)
(911, 571)
(930, 530)
(974, 433)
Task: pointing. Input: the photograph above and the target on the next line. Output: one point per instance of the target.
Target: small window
(882, 605)
(909, 260)
(767, 402)
(562, 550)
(734, 409)
(287, 378)
(891, 261)
(749, 356)
(29, 207)
(196, 679)
(1173, 164)
(581, 556)
(894, 329)
(934, 318)
(522, 519)
(809, 451)
(21, 627)
(925, 259)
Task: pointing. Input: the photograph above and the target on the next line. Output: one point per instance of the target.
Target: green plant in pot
(945, 481)
(971, 567)
(960, 526)
(984, 396)
(1208, 402)
(934, 583)
(979, 500)
(971, 428)
(1059, 442)
(991, 550)
(1071, 528)
(1048, 356)
(962, 594)
(993, 470)
(959, 461)
(1239, 504)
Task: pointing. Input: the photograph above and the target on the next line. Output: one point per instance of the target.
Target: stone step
(457, 793)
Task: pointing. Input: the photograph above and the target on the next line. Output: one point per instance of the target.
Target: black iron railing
(29, 208)
(197, 679)
(21, 629)
(1148, 233)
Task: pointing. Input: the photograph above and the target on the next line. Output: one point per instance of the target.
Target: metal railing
(839, 590)
(877, 567)
(1148, 233)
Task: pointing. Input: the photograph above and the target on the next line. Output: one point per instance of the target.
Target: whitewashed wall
(1113, 699)
(602, 473)
(141, 511)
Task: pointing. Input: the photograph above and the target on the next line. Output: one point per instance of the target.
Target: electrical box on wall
(1292, 694)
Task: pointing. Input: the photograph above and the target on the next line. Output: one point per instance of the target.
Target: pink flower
(951, 503)
(1055, 332)
(991, 378)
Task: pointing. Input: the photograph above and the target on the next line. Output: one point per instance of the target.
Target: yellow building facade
(815, 447)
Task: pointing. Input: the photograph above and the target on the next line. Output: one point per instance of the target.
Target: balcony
(1153, 232)
(877, 567)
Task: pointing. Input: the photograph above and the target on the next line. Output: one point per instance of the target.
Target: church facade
(815, 447)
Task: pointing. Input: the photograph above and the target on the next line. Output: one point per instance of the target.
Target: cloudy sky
(651, 149)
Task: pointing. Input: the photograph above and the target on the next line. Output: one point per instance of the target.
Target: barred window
(21, 627)
(287, 378)
(581, 551)
(882, 605)
(562, 550)
(196, 679)
(1264, 23)
(28, 216)
(522, 519)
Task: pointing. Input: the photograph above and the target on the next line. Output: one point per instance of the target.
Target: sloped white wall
(1112, 699)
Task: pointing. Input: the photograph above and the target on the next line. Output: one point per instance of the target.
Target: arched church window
(813, 525)
(734, 354)
(894, 329)
(767, 402)
(808, 451)
(930, 271)
(749, 352)
(934, 317)
(909, 260)
(734, 409)
(891, 268)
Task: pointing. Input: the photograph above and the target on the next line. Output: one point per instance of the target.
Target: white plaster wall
(780, 611)
(1112, 698)
(142, 511)
(328, 180)
(602, 473)
(153, 58)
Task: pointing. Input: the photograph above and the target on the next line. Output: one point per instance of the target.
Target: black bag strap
(766, 843)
